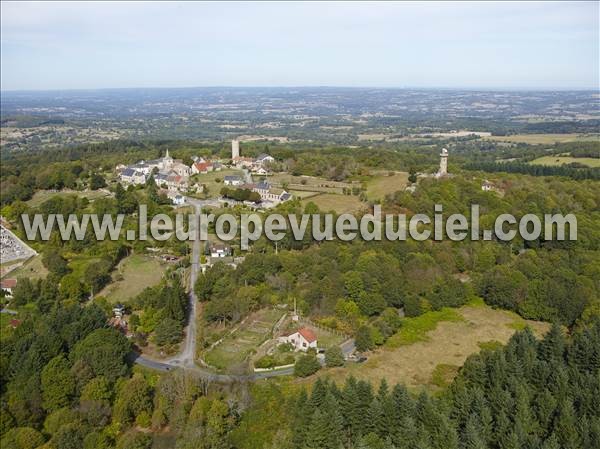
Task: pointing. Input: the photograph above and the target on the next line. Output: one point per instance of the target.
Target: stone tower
(443, 163)
(235, 148)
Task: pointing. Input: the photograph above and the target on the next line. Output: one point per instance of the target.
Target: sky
(506, 45)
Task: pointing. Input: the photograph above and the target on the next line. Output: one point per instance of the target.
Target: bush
(267, 361)
(364, 339)
(306, 366)
(334, 357)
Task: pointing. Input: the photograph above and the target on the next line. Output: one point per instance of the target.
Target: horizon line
(316, 86)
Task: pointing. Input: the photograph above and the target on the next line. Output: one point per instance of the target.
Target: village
(175, 178)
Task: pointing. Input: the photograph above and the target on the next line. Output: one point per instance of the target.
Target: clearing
(561, 160)
(545, 138)
(237, 345)
(132, 275)
(384, 184)
(341, 204)
(427, 351)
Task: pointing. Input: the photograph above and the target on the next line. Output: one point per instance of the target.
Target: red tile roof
(308, 335)
(8, 283)
(202, 166)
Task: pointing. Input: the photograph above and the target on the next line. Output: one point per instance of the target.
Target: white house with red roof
(301, 340)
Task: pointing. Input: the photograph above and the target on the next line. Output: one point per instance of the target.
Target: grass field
(435, 345)
(302, 194)
(44, 195)
(338, 203)
(308, 183)
(231, 354)
(382, 184)
(132, 275)
(32, 269)
(546, 138)
(561, 160)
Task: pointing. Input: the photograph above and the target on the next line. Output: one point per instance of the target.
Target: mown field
(545, 138)
(341, 204)
(561, 160)
(33, 269)
(132, 275)
(429, 349)
(383, 184)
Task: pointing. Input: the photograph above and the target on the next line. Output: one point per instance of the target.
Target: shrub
(267, 361)
(306, 365)
(334, 356)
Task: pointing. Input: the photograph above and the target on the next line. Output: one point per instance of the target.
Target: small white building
(264, 159)
(486, 186)
(178, 200)
(301, 340)
(119, 311)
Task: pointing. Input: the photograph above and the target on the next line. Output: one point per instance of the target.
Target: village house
(264, 159)
(201, 167)
(220, 250)
(271, 194)
(301, 340)
(119, 311)
(132, 176)
(233, 181)
(487, 186)
(7, 286)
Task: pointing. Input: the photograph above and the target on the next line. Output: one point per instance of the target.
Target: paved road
(188, 352)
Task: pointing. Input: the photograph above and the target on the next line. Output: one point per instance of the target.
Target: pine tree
(565, 426)
(553, 345)
(472, 437)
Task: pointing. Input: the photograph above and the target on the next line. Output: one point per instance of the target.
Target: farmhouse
(301, 340)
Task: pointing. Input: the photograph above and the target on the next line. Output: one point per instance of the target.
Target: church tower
(167, 161)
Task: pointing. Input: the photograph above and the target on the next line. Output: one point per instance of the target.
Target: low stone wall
(275, 368)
